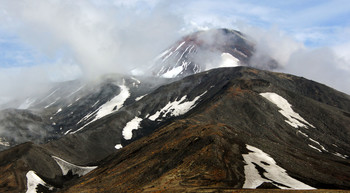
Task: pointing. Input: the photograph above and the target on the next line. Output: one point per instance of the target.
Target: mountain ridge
(146, 142)
(228, 127)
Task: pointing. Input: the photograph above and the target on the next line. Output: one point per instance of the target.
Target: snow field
(108, 107)
(273, 173)
(33, 181)
(176, 108)
(76, 170)
(134, 124)
(293, 118)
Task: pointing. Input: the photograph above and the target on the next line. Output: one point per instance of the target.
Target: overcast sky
(55, 40)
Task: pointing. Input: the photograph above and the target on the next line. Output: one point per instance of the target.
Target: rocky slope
(237, 133)
(217, 130)
(225, 128)
(68, 107)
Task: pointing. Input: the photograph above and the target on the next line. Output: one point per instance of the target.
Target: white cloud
(328, 65)
(87, 38)
(99, 36)
(101, 39)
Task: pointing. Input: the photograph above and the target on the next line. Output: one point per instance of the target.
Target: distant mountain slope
(204, 50)
(70, 106)
(19, 126)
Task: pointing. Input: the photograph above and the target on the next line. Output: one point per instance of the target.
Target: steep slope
(251, 127)
(16, 162)
(204, 50)
(68, 107)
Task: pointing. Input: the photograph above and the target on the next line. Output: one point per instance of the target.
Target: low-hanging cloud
(91, 38)
(85, 38)
(100, 37)
(327, 65)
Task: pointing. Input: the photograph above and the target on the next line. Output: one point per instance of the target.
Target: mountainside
(68, 107)
(226, 128)
(205, 122)
(242, 133)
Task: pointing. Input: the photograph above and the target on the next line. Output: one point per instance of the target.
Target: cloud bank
(100, 37)
(327, 65)
(88, 38)
(72, 39)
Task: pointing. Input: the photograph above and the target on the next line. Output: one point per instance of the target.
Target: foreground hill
(225, 128)
(250, 127)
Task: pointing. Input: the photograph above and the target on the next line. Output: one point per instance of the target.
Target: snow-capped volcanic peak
(202, 51)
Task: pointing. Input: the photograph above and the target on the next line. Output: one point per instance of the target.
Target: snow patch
(140, 97)
(294, 119)
(272, 172)
(318, 143)
(76, 170)
(49, 105)
(131, 125)
(176, 108)
(4, 143)
(173, 72)
(27, 103)
(227, 60)
(178, 47)
(109, 107)
(95, 103)
(304, 134)
(58, 111)
(340, 155)
(183, 53)
(138, 81)
(117, 101)
(33, 181)
(167, 56)
(67, 131)
(118, 146)
(313, 147)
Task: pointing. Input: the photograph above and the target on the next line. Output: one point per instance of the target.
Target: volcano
(214, 125)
